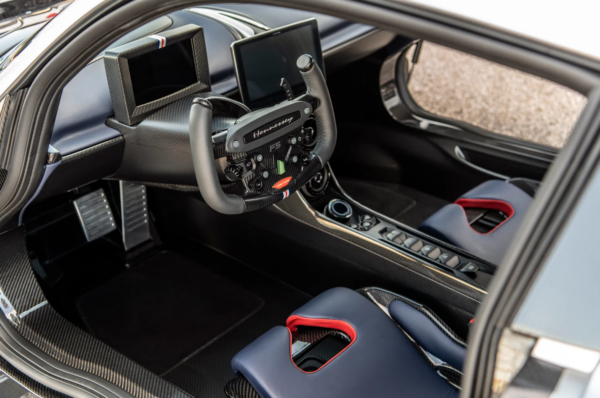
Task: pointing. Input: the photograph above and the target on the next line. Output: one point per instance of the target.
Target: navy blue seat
(380, 361)
(450, 223)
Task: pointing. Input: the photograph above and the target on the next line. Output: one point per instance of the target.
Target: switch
(435, 253)
(280, 167)
(392, 234)
(416, 246)
(232, 173)
(366, 225)
(400, 239)
(469, 267)
(427, 249)
(410, 241)
(444, 257)
(453, 262)
(287, 89)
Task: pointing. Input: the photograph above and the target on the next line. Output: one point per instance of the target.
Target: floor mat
(396, 201)
(205, 374)
(165, 309)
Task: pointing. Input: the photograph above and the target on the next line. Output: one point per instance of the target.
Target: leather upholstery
(427, 334)
(380, 362)
(450, 223)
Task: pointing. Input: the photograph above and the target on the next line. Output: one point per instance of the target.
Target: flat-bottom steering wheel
(270, 152)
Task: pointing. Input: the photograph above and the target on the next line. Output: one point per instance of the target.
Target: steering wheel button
(282, 183)
(280, 167)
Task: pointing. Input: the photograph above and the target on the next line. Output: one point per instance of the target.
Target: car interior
(245, 200)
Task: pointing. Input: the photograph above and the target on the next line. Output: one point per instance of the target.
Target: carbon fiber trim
(158, 149)
(302, 178)
(311, 335)
(52, 334)
(452, 299)
(119, 81)
(3, 174)
(27, 383)
(240, 388)
(383, 298)
(83, 167)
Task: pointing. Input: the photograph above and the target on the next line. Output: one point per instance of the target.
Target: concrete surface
(494, 97)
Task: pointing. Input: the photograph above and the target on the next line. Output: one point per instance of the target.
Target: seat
(379, 361)
(451, 223)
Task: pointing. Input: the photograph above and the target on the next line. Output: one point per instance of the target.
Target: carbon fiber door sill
(55, 353)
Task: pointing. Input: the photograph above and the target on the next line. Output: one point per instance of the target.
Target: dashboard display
(153, 71)
(262, 60)
(160, 73)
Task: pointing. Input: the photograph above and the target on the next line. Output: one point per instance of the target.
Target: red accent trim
(50, 16)
(282, 183)
(472, 320)
(294, 321)
(491, 204)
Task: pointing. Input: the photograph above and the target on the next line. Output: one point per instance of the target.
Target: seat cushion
(379, 362)
(450, 223)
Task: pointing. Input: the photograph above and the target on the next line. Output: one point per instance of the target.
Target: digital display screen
(261, 62)
(162, 72)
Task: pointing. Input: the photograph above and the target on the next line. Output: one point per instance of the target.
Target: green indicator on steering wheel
(280, 167)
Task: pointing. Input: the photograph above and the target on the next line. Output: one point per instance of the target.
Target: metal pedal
(134, 214)
(95, 215)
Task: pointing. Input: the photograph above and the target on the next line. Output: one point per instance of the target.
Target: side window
(462, 87)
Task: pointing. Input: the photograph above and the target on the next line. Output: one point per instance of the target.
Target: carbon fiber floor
(206, 373)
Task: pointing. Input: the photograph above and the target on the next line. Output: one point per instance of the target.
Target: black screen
(162, 72)
(264, 60)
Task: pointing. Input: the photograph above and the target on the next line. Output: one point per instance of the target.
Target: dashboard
(86, 101)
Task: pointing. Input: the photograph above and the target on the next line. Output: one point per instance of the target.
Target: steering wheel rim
(264, 132)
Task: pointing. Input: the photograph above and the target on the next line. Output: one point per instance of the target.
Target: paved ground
(494, 97)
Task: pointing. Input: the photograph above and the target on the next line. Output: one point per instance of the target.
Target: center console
(327, 197)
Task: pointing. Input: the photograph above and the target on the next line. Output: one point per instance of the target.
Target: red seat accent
(294, 321)
(491, 204)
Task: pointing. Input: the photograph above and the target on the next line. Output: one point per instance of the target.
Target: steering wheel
(270, 153)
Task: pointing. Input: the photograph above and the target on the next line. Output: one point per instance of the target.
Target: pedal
(95, 215)
(134, 214)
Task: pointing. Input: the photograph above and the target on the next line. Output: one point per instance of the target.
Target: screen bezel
(238, 61)
(116, 61)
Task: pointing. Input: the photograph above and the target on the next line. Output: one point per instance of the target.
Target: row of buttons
(417, 245)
